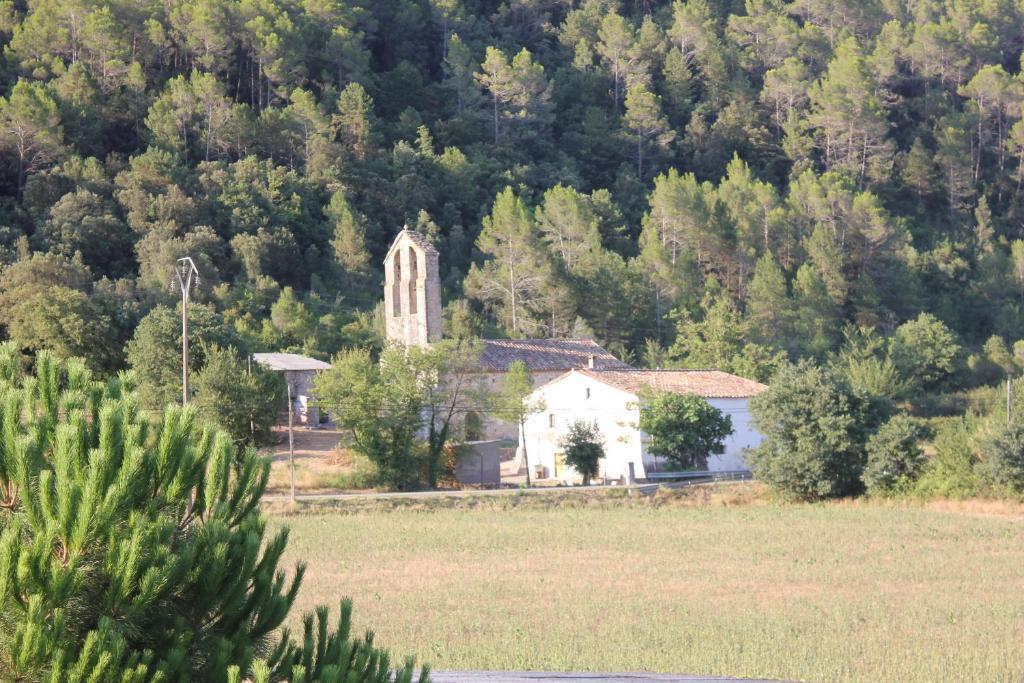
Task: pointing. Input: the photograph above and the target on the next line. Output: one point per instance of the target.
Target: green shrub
(815, 428)
(950, 474)
(584, 448)
(1002, 459)
(926, 352)
(895, 458)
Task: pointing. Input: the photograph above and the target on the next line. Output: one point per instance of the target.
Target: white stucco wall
(743, 434)
(614, 410)
(617, 416)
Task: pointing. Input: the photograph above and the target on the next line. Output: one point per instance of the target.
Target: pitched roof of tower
(546, 355)
(417, 238)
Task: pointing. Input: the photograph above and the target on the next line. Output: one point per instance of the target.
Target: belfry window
(396, 287)
(413, 277)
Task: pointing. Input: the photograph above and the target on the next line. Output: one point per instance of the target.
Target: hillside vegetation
(739, 181)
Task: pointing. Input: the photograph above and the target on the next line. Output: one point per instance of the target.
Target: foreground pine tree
(133, 550)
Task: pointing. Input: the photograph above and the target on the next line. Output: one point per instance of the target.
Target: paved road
(535, 676)
(642, 489)
(540, 490)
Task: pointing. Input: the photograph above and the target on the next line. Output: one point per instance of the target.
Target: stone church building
(413, 317)
(575, 378)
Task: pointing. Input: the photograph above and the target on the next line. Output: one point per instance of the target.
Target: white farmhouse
(610, 398)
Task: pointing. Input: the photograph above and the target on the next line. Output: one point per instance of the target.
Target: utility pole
(187, 275)
(1009, 402)
(291, 436)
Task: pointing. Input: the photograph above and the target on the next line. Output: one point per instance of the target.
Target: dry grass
(703, 583)
(321, 464)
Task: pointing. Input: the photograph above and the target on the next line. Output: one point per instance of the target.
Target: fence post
(631, 481)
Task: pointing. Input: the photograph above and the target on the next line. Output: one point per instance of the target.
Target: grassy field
(818, 593)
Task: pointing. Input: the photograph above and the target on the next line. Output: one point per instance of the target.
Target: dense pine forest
(695, 183)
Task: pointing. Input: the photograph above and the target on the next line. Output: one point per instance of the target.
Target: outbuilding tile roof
(281, 362)
(705, 383)
(546, 355)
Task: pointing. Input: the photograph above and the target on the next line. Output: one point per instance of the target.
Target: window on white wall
(588, 392)
(551, 420)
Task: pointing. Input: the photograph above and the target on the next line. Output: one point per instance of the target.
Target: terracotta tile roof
(705, 383)
(546, 354)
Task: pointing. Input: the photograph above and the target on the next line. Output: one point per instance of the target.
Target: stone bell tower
(412, 291)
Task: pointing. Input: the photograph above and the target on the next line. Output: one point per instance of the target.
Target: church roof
(705, 383)
(546, 355)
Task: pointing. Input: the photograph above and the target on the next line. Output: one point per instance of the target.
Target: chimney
(591, 361)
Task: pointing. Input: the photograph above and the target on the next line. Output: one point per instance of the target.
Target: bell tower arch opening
(414, 277)
(396, 288)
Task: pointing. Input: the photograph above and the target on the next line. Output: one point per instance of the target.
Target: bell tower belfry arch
(412, 291)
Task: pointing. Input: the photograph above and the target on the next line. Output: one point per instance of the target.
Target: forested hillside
(691, 183)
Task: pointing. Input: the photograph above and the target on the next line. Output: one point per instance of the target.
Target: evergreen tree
(350, 252)
(512, 280)
(459, 77)
(142, 531)
(520, 94)
(644, 118)
(850, 117)
(355, 123)
(31, 128)
(768, 304)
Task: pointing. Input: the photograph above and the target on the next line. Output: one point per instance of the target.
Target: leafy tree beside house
(583, 446)
(154, 352)
(513, 403)
(381, 405)
(243, 400)
(683, 428)
(149, 554)
(386, 404)
(815, 429)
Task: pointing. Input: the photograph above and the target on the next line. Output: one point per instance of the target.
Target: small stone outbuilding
(299, 372)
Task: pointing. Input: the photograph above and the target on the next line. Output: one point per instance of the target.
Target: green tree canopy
(583, 446)
(154, 352)
(683, 428)
(926, 352)
(242, 398)
(815, 429)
